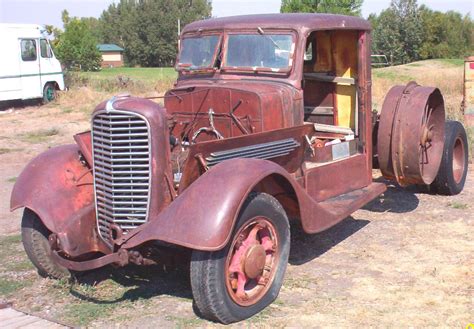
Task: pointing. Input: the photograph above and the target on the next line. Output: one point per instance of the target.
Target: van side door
(10, 77)
(30, 69)
(50, 68)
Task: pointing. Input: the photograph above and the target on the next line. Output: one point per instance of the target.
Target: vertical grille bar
(122, 169)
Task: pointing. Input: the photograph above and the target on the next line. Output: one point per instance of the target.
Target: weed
(7, 287)
(185, 322)
(20, 266)
(9, 240)
(12, 179)
(458, 205)
(66, 110)
(83, 313)
(39, 136)
(6, 150)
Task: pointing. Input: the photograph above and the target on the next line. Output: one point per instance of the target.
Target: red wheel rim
(252, 261)
(459, 160)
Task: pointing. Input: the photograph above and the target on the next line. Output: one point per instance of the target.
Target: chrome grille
(122, 168)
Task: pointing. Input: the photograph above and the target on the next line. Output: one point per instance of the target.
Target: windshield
(198, 52)
(259, 51)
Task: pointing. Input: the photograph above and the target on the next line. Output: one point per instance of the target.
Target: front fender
(203, 216)
(55, 185)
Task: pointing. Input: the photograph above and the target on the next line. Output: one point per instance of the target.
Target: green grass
(452, 61)
(137, 73)
(4, 150)
(383, 73)
(458, 205)
(39, 136)
(12, 179)
(8, 241)
(7, 287)
(81, 314)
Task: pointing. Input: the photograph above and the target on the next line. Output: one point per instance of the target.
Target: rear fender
(56, 186)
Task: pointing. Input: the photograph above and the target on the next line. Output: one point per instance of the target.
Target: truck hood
(238, 107)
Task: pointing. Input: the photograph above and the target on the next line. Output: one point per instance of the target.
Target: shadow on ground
(19, 104)
(144, 282)
(306, 247)
(151, 281)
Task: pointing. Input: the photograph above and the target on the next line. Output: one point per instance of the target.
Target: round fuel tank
(410, 136)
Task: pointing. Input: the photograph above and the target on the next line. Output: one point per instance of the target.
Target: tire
(34, 236)
(452, 172)
(49, 93)
(215, 296)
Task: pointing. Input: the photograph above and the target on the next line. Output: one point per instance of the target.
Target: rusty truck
(269, 124)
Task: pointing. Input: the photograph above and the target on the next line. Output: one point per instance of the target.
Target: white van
(28, 67)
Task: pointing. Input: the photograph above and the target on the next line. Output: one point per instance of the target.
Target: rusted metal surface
(468, 91)
(160, 195)
(301, 22)
(83, 140)
(209, 225)
(252, 261)
(55, 185)
(119, 258)
(411, 134)
(224, 134)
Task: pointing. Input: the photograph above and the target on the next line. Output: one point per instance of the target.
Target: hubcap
(252, 261)
(458, 160)
(49, 94)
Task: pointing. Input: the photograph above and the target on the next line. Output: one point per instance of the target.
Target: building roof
(297, 21)
(108, 47)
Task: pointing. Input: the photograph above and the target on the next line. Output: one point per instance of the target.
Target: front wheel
(242, 279)
(34, 236)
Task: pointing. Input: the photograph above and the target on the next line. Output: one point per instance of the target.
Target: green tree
(446, 35)
(77, 46)
(397, 31)
(407, 32)
(54, 33)
(343, 7)
(147, 30)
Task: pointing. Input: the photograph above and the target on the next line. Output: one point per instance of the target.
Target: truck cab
(268, 124)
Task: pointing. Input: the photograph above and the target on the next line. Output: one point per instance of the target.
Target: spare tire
(452, 172)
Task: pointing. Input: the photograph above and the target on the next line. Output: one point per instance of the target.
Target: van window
(28, 50)
(45, 49)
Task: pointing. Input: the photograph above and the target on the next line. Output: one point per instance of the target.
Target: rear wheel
(453, 170)
(34, 235)
(242, 279)
(49, 93)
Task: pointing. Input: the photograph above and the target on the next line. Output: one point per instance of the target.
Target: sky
(49, 11)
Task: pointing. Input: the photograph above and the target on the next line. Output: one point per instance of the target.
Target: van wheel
(242, 279)
(453, 169)
(49, 93)
(34, 236)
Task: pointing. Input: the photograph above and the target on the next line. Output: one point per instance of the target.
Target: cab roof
(297, 21)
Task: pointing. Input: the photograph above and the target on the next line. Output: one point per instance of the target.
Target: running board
(343, 205)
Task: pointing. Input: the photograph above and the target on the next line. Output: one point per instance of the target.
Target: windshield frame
(211, 67)
(258, 69)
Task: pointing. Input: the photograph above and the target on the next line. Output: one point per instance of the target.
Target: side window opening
(330, 79)
(45, 49)
(28, 50)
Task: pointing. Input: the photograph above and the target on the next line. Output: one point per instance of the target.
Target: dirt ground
(406, 259)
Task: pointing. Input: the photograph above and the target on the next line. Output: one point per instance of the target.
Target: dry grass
(446, 75)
